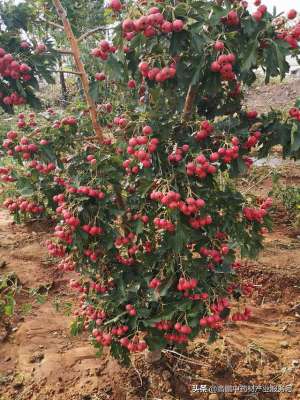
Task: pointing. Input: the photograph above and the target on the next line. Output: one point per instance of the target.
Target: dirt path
(40, 360)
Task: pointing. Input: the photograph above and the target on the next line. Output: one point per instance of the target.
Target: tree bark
(80, 67)
(63, 86)
(189, 102)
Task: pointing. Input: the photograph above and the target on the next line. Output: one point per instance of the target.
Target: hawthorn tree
(24, 61)
(150, 217)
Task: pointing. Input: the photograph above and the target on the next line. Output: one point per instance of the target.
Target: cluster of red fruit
(187, 284)
(10, 68)
(87, 191)
(100, 288)
(198, 222)
(55, 250)
(214, 254)
(173, 200)
(63, 233)
(151, 25)
(201, 167)
(66, 265)
(260, 11)
(120, 330)
(252, 140)
(5, 175)
(215, 321)
(241, 316)
(173, 337)
(140, 217)
(177, 155)
(92, 230)
(145, 146)
(23, 124)
(223, 65)
(257, 214)
(14, 99)
(157, 74)
(163, 325)
(91, 159)
(42, 168)
(103, 50)
(205, 131)
(93, 255)
(23, 205)
(154, 283)
(121, 122)
(295, 113)
(291, 36)
(231, 19)
(130, 309)
(254, 214)
(164, 224)
(134, 345)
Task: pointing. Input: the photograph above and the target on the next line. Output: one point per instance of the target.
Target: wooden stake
(80, 67)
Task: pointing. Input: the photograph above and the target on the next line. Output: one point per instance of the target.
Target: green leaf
(155, 342)
(120, 353)
(295, 137)
(250, 56)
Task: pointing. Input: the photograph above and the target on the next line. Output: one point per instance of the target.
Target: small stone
(213, 397)
(37, 357)
(295, 363)
(7, 359)
(284, 344)
(166, 375)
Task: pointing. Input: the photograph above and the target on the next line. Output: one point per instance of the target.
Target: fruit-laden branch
(80, 67)
(189, 102)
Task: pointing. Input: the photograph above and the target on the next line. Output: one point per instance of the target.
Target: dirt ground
(40, 360)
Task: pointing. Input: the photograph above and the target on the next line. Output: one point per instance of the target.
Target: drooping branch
(79, 66)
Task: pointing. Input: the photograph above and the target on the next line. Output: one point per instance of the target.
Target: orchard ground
(40, 360)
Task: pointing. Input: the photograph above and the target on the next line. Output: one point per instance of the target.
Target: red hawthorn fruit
(257, 16)
(41, 48)
(215, 66)
(178, 25)
(292, 14)
(116, 5)
(131, 84)
(219, 45)
(100, 76)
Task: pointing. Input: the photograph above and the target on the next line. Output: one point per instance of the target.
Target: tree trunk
(80, 67)
(63, 86)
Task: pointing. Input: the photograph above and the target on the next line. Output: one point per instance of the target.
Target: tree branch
(90, 33)
(65, 51)
(189, 102)
(64, 71)
(53, 24)
(61, 12)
